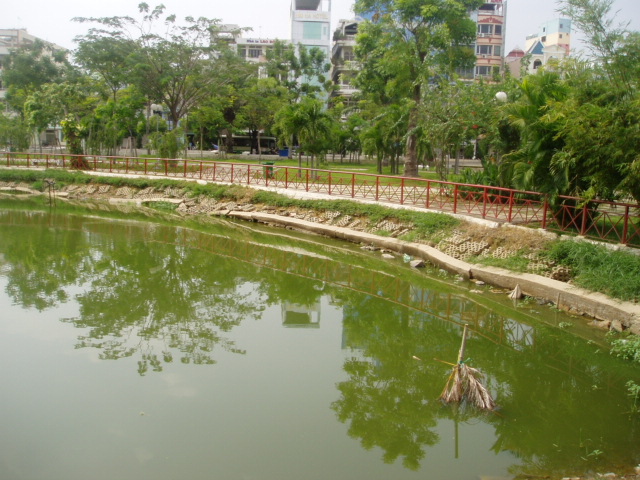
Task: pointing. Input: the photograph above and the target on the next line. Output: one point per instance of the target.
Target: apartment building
(490, 19)
(345, 67)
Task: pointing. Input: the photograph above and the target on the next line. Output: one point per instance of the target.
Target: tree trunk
(411, 155)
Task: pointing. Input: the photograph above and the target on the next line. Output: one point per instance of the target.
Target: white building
(254, 49)
(311, 25)
(552, 43)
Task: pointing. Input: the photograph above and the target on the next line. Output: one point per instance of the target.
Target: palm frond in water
(464, 384)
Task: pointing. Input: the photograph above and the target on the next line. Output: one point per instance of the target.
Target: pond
(133, 346)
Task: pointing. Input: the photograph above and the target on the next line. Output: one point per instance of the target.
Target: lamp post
(501, 97)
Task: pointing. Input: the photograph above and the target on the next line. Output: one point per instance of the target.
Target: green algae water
(132, 347)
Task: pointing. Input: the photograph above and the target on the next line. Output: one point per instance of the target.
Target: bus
(242, 144)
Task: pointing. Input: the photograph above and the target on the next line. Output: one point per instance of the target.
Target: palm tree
(309, 123)
(531, 166)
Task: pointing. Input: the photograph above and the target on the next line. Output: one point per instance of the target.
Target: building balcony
(347, 65)
(345, 91)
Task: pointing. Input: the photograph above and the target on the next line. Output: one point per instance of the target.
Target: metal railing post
(485, 196)
(583, 225)
(455, 198)
(428, 198)
(625, 228)
(510, 214)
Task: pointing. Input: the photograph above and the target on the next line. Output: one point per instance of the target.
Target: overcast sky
(268, 18)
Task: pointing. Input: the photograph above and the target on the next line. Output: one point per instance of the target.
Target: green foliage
(627, 348)
(302, 71)
(309, 123)
(29, 68)
(406, 46)
(634, 392)
(553, 113)
(596, 267)
(14, 133)
(168, 144)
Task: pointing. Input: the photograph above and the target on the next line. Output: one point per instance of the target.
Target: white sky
(51, 20)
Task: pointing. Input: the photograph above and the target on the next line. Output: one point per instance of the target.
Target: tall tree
(30, 67)
(107, 58)
(409, 43)
(309, 123)
(263, 99)
(175, 64)
(604, 37)
(300, 69)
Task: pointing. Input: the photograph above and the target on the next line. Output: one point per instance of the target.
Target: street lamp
(501, 97)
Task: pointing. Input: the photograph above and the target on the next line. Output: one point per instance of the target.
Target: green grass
(597, 268)
(515, 263)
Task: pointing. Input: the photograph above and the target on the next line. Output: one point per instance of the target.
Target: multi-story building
(343, 58)
(551, 43)
(254, 49)
(311, 25)
(489, 47)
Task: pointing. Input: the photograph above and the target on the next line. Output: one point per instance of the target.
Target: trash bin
(268, 169)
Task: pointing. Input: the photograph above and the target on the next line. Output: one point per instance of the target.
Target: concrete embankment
(606, 312)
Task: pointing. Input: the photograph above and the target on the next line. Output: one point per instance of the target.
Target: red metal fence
(614, 222)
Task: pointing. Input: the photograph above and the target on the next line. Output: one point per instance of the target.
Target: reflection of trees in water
(559, 401)
(39, 269)
(135, 299)
(390, 400)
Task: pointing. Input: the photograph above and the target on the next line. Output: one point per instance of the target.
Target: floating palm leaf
(464, 383)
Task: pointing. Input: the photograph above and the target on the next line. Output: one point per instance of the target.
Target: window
(255, 52)
(486, 29)
(497, 29)
(537, 64)
(543, 39)
(497, 50)
(483, 49)
(349, 56)
(312, 31)
(483, 71)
